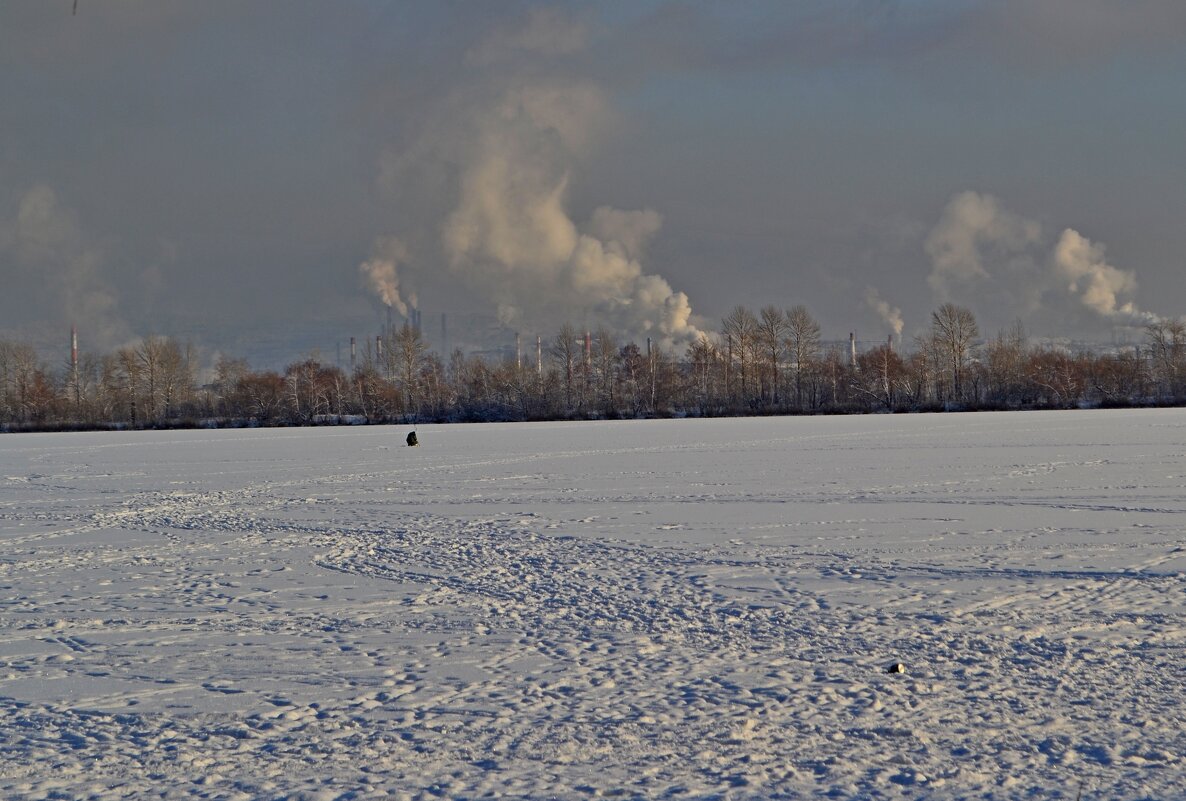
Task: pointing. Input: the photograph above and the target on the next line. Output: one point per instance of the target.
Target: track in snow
(682, 617)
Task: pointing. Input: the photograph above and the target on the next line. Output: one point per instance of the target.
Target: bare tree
(1167, 350)
(408, 353)
(1055, 376)
(1120, 378)
(880, 376)
(227, 374)
(18, 369)
(954, 330)
(1004, 359)
(156, 377)
(740, 329)
(308, 389)
(176, 378)
(703, 359)
(771, 340)
(263, 394)
(605, 362)
(565, 351)
(802, 344)
(28, 394)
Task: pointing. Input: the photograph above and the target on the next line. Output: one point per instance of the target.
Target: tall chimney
(539, 355)
(353, 354)
(852, 350)
(379, 347)
(74, 364)
(588, 350)
(518, 351)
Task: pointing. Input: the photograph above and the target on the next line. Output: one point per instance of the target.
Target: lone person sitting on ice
(412, 441)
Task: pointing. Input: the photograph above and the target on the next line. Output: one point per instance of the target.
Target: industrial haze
(268, 180)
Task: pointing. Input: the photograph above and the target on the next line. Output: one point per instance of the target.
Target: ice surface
(663, 609)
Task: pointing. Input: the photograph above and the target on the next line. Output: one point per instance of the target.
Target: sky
(265, 179)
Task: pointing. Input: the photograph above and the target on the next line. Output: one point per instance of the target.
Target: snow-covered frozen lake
(663, 609)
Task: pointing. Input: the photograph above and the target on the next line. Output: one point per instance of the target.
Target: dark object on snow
(896, 667)
(412, 441)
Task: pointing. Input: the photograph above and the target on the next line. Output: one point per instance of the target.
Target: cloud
(380, 272)
(510, 145)
(890, 315)
(1096, 283)
(973, 228)
(629, 230)
(982, 253)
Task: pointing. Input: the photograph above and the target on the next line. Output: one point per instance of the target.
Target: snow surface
(665, 609)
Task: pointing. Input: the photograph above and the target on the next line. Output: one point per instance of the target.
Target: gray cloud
(1070, 33)
(761, 36)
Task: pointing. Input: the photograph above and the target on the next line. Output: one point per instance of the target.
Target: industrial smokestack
(539, 355)
(379, 347)
(518, 351)
(74, 382)
(588, 350)
(353, 354)
(852, 348)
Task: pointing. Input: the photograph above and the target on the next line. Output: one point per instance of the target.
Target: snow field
(666, 609)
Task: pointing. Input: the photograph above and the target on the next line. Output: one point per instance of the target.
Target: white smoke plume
(381, 273)
(511, 234)
(497, 156)
(974, 228)
(891, 315)
(980, 250)
(1096, 283)
(628, 229)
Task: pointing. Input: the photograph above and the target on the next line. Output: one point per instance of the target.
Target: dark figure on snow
(412, 441)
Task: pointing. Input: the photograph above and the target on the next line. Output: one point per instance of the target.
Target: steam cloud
(974, 228)
(511, 233)
(1095, 282)
(978, 246)
(509, 141)
(891, 315)
(381, 273)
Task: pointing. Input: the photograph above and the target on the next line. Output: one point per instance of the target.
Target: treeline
(769, 362)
